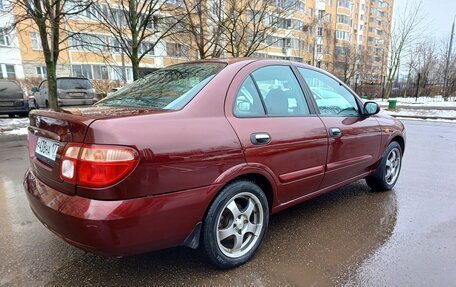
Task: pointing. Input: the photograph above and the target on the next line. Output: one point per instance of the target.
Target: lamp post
(447, 65)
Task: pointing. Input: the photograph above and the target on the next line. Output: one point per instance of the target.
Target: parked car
(71, 91)
(13, 99)
(201, 154)
(113, 90)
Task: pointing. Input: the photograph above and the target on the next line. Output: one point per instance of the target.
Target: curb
(423, 117)
(413, 107)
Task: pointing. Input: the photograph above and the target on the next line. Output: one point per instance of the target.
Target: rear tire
(235, 224)
(385, 176)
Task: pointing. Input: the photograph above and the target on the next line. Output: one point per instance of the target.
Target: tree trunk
(52, 86)
(135, 64)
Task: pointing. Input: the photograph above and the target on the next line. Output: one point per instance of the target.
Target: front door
(277, 129)
(354, 140)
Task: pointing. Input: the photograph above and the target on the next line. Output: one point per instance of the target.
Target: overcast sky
(439, 14)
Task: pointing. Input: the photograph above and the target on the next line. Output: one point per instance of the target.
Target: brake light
(96, 165)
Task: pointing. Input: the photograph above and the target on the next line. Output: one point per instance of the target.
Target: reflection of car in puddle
(331, 235)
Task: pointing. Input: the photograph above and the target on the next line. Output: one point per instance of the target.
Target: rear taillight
(96, 165)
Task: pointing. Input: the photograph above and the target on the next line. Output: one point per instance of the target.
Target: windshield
(167, 88)
(71, 84)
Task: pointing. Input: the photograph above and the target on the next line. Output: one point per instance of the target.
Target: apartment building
(10, 54)
(346, 37)
(349, 38)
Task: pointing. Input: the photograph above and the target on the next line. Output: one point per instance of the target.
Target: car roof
(247, 60)
(69, 78)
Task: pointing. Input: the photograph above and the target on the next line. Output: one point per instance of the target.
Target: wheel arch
(260, 177)
(400, 140)
(259, 174)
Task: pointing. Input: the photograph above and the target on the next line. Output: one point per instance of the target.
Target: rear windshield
(10, 90)
(71, 84)
(168, 88)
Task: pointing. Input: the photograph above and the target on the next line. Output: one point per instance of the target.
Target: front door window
(331, 97)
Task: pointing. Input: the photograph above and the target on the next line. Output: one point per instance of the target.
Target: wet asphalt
(349, 237)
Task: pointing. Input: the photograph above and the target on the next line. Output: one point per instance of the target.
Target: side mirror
(371, 108)
(35, 89)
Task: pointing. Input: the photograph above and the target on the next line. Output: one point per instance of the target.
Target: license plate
(6, 104)
(47, 148)
(77, 95)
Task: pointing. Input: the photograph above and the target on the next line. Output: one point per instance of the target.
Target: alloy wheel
(239, 224)
(393, 165)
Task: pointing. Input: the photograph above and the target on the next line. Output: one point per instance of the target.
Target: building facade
(346, 37)
(10, 53)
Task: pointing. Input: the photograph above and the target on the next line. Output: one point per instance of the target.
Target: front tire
(235, 224)
(387, 172)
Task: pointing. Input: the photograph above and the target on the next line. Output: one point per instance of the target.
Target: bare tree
(249, 25)
(136, 27)
(425, 61)
(407, 26)
(203, 24)
(48, 18)
(346, 61)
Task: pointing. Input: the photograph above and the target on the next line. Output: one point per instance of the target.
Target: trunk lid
(49, 132)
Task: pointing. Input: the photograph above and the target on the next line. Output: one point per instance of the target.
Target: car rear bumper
(119, 227)
(76, 102)
(23, 107)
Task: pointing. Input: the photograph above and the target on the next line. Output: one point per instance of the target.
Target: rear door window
(281, 92)
(248, 102)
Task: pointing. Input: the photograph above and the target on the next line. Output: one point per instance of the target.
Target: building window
(1, 5)
(10, 72)
(319, 48)
(342, 35)
(100, 72)
(344, 3)
(176, 50)
(4, 38)
(343, 19)
(320, 31)
(88, 42)
(91, 72)
(41, 72)
(36, 41)
(310, 12)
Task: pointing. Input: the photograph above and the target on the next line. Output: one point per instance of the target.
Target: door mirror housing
(371, 108)
(35, 89)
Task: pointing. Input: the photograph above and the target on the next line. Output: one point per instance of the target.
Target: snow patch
(13, 126)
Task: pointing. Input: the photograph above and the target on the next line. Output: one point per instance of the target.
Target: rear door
(277, 129)
(354, 140)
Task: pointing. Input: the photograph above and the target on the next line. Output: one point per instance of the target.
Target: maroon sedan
(201, 153)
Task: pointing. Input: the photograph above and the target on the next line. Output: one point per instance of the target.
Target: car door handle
(260, 138)
(335, 132)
